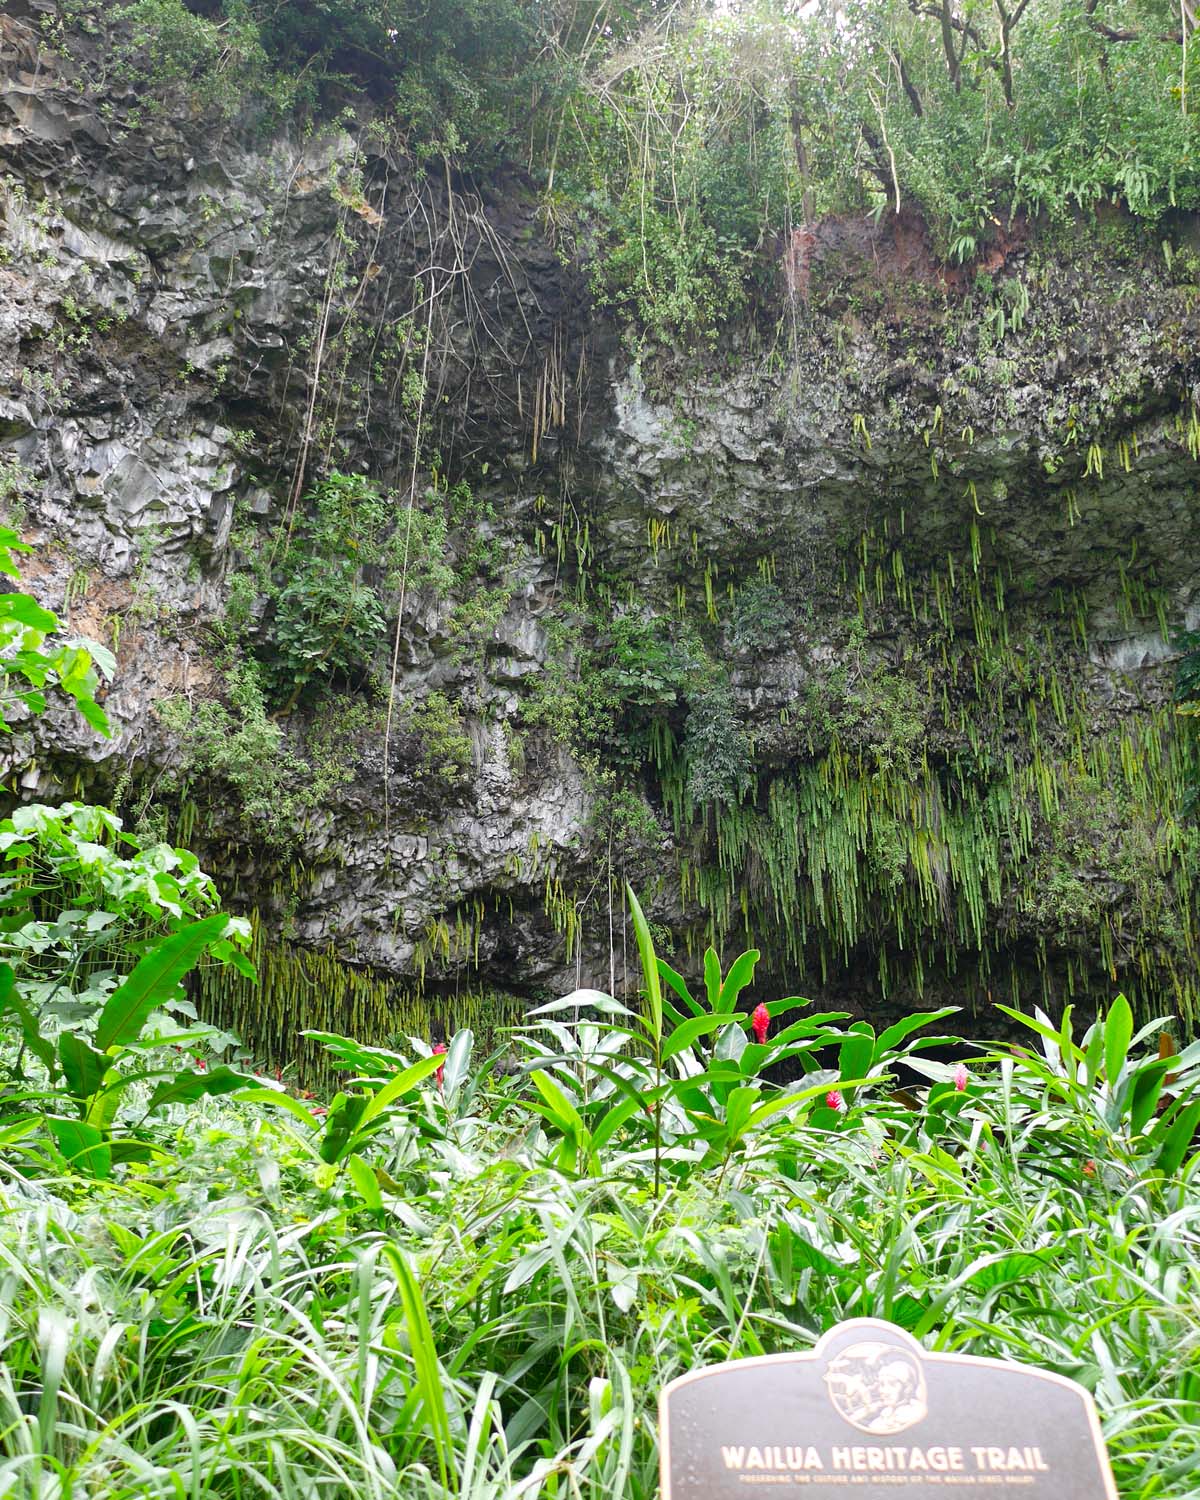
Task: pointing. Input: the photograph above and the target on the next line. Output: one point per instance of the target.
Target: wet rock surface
(168, 305)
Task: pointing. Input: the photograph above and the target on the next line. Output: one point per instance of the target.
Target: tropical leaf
(155, 980)
(188, 1087)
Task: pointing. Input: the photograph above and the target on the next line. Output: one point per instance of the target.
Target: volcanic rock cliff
(847, 634)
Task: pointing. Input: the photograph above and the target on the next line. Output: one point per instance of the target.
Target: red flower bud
(437, 1049)
(960, 1077)
(760, 1022)
(835, 1101)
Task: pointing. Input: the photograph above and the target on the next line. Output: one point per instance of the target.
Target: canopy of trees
(692, 135)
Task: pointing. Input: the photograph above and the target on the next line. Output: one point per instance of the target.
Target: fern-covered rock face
(851, 635)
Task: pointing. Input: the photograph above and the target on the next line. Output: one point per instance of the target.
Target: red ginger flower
(760, 1022)
(835, 1101)
(960, 1077)
(437, 1049)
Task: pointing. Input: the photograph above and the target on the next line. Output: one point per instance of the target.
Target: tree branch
(1123, 34)
(906, 83)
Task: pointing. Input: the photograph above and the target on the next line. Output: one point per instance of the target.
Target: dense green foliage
(938, 810)
(36, 656)
(326, 618)
(459, 1279)
(468, 1276)
(309, 620)
(95, 943)
(682, 143)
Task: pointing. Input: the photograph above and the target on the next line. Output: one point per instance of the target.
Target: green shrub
(444, 747)
(717, 752)
(322, 582)
(171, 55)
(326, 622)
(443, 74)
(234, 742)
(761, 618)
(35, 656)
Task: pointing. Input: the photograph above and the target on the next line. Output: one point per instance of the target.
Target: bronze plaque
(869, 1413)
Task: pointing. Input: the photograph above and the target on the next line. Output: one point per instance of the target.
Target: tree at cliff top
(675, 142)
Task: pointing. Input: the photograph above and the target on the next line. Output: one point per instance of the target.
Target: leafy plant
(469, 1285)
(716, 749)
(77, 913)
(761, 618)
(95, 1074)
(31, 662)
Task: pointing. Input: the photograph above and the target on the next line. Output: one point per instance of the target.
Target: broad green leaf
(83, 1067)
(366, 1184)
(83, 1146)
(995, 1270)
(25, 610)
(31, 1033)
(102, 658)
(373, 1061)
(857, 1052)
(806, 1253)
(739, 1109)
(1118, 1029)
(155, 980)
(230, 953)
(774, 1105)
(677, 983)
(895, 1034)
(712, 978)
(402, 1084)
(562, 1111)
(580, 1000)
(789, 1002)
(342, 1124)
(1177, 1140)
(128, 1149)
(457, 1062)
(1189, 1055)
(645, 945)
(817, 1028)
(1145, 1091)
(692, 1030)
(189, 1086)
(612, 1120)
(731, 1044)
(740, 974)
(1093, 1054)
(283, 1101)
(1046, 1032)
(906, 1311)
(93, 713)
